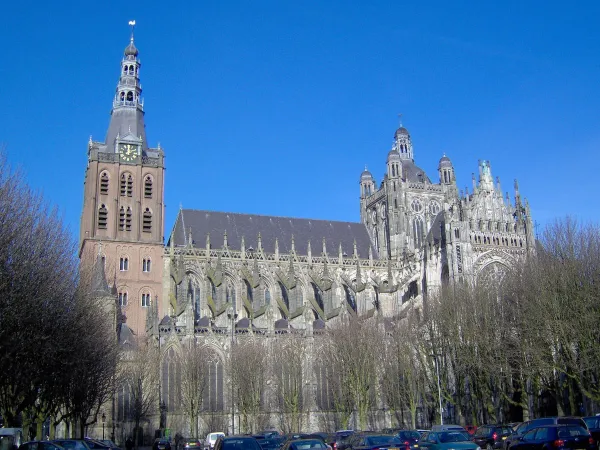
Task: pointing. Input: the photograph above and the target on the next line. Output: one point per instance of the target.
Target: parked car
(305, 444)
(535, 423)
(268, 443)
(211, 439)
(301, 436)
(96, 444)
(109, 443)
(491, 436)
(447, 440)
(409, 438)
(161, 444)
(191, 444)
(10, 438)
(342, 439)
(236, 443)
(448, 427)
(593, 424)
(40, 445)
(73, 444)
(556, 437)
(374, 441)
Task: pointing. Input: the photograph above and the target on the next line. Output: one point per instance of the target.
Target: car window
(567, 432)
(523, 428)
(408, 435)
(529, 435)
(381, 440)
(592, 422)
(542, 434)
(571, 421)
(506, 430)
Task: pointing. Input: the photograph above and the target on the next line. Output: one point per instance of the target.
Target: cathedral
(218, 274)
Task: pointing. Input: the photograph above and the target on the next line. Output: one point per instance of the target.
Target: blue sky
(276, 107)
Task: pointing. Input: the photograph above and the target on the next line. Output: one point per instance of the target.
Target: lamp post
(103, 422)
(232, 316)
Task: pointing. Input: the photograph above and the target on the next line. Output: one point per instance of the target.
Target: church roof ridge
(274, 216)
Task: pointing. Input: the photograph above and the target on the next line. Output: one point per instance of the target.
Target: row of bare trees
(521, 342)
(57, 344)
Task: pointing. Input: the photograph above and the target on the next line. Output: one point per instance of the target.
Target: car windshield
(453, 436)
(409, 435)
(308, 444)
(73, 445)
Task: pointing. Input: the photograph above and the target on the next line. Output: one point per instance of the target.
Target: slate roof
(410, 171)
(270, 227)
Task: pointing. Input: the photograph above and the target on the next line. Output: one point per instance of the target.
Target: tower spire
(127, 114)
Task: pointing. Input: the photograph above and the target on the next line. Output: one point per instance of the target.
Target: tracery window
(434, 208)
(350, 298)
(146, 265)
(171, 377)
(213, 394)
(418, 229)
(145, 300)
(124, 263)
(416, 205)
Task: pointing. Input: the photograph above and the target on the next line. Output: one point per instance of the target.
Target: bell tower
(123, 205)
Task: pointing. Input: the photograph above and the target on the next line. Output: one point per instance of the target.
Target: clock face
(128, 152)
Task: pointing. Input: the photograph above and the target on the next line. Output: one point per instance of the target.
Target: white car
(211, 438)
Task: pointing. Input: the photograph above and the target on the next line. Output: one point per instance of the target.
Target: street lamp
(103, 422)
(232, 316)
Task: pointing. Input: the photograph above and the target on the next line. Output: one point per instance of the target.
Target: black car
(593, 424)
(342, 439)
(268, 441)
(298, 436)
(237, 443)
(161, 444)
(73, 444)
(491, 437)
(409, 438)
(191, 444)
(572, 437)
(535, 423)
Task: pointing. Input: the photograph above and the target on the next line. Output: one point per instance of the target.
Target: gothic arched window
(104, 183)
(123, 298)
(128, 219)
(148, 187)
(416, 205)
(171, 377)
(146, 265)
(129, 96)
(102, 217)
(147, 221)
(418, 231)
(213, 393)
(126, 185)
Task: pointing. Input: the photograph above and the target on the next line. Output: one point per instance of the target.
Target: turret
(394, 165)
(402, 144)
(446, 171)
(367, 184)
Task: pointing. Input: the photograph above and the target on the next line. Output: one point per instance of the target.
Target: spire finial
(132, 24)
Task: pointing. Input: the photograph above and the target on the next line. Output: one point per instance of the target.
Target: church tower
(123, 205)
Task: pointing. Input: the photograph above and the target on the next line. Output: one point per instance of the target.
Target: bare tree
(194, 381)
(139, 373)
(289, 353)
(248, 364)
(352, 348)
